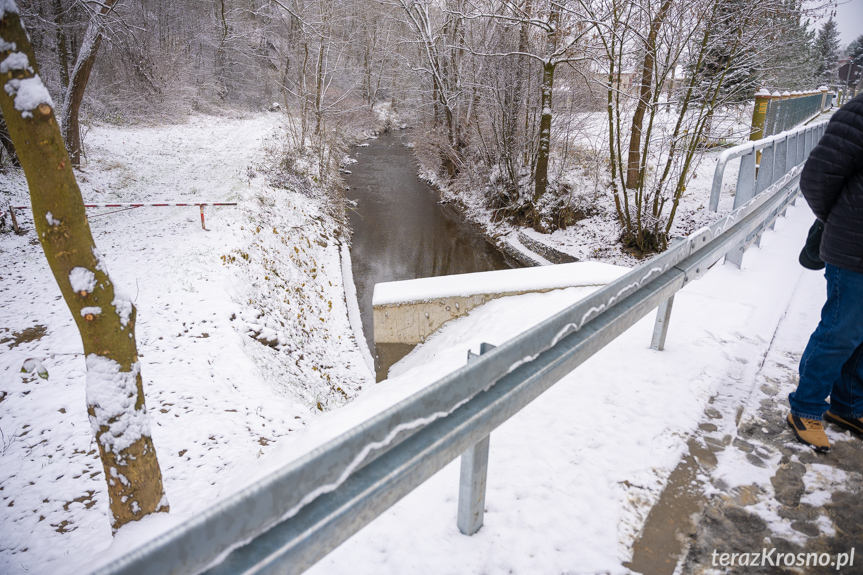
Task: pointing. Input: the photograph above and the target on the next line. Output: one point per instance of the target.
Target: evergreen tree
(723, 62)
(793, 63)
(855, 50)
(827, 52)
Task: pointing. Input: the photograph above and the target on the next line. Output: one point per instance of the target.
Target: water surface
(400, 230)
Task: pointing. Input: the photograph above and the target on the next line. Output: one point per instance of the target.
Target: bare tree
(77, 81)
(104, 315)
(718, 46)
(502, 91)
(436, 33)
(466, 50)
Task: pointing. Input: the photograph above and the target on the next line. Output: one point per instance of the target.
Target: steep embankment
(242, 331)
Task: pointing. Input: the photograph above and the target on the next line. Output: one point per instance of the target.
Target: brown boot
(855, 425)
(810, 432)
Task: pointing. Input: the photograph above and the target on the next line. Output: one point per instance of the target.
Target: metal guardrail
(294, 517)
(778, 156)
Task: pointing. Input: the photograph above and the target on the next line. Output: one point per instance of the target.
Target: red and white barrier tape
(144, 204)
(141, 205)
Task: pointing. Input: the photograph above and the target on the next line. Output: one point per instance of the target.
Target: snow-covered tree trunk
(105, 316)
(78, 82)
(544, 148)
(62, 53)
(635, 169)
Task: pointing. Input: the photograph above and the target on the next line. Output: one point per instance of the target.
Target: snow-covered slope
(242, 331)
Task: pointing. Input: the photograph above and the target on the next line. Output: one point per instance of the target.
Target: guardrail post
(780, 159)
(765, 176)
(801, 148)
(791, 142)
(660, 328)
(735, 256)
(745, 180)
(474, 471)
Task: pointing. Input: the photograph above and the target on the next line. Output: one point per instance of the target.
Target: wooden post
(14, 221)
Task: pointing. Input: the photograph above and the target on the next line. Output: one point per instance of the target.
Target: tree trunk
(544, 133)
(304, 105)
(541, 174)
(78, 82)
(62, 54)
(319, 88)
(105, 317)
(512, 109)
(633, 169)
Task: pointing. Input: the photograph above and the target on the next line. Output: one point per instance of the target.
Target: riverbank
(243, 330)
(592, 231)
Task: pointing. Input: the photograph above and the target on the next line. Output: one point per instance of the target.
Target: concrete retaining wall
(550, 253)
(407, 313)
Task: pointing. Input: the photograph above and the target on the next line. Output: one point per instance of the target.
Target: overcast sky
(849, 16)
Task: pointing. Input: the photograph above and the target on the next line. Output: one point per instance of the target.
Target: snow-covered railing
(780, 156)
(131, 205)
(291, 519)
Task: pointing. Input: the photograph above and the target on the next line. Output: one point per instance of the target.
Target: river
(400, 231)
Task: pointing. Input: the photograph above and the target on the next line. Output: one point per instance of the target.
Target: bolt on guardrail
(291, 519)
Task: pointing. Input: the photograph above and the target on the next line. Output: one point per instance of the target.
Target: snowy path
(764, 490)
(219, 400)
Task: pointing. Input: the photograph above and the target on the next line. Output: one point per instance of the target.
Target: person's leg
(832, 344)
(847, 397)
(846, 401)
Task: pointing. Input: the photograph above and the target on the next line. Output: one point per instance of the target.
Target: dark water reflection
(400, 230)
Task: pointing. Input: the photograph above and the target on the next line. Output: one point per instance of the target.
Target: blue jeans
(832, 363)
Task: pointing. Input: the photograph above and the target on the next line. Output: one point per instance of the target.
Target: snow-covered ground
(242, 332)
(571, 478)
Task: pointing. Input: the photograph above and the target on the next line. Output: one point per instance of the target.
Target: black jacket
(832, 183)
